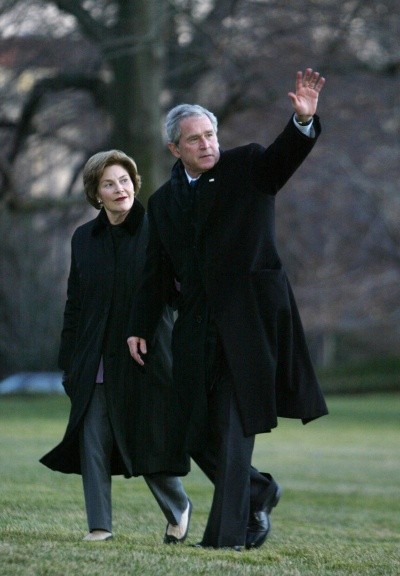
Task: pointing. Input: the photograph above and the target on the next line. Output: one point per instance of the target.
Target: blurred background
(77, 77)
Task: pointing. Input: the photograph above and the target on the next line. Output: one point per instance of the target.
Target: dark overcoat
(230, 266)
(101, 285)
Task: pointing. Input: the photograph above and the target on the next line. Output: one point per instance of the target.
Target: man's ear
(173, 148)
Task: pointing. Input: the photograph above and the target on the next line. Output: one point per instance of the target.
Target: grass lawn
(339, 514)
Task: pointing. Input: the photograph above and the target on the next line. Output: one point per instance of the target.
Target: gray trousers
(96, 444)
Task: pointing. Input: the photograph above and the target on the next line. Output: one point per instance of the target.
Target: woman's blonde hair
(95, 166)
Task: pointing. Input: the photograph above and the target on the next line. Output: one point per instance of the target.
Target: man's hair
(174, 117)
(95, 166)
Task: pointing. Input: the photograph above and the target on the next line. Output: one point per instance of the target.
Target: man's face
(198, 146)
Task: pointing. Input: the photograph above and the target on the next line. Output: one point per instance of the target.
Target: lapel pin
(211, 180)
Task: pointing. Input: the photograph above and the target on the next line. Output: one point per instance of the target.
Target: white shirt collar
(190, 179)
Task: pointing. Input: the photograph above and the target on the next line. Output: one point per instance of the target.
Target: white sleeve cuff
(306, 130)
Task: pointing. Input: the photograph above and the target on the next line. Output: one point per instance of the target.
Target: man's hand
(305, 99)
(137, 348)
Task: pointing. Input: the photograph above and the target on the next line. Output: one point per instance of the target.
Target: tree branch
(5, 169)
(92, 28)
(54, 84)
(44, 203)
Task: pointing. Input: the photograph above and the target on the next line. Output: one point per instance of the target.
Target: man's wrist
(303, 120)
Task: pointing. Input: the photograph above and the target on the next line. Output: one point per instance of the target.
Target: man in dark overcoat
(240, 357)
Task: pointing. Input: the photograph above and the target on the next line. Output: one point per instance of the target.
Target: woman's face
(116, 192)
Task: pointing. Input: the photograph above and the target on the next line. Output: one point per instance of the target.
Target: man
(239, 351)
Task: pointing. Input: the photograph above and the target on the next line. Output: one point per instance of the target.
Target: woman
(122, 417)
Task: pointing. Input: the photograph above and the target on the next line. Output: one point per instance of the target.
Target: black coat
(230, 266)
(101, 286)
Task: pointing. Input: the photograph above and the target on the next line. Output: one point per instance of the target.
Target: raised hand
(305, 99)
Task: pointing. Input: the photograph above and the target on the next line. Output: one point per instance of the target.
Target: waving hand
(305, 99)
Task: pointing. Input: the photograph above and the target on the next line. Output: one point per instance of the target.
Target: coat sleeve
(72, 313)
(271, 168)
(156, 289)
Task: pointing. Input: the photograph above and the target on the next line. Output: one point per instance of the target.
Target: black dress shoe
(259, 524)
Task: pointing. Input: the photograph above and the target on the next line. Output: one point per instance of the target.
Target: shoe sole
(106, 539)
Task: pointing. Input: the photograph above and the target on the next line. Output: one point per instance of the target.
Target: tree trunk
(137, 87)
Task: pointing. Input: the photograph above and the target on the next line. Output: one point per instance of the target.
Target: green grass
(375, 375)
(339, 514)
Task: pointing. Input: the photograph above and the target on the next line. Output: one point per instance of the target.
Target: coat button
(199, 319)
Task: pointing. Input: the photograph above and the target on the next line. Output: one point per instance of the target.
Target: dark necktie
(193, 189)
(193, 198)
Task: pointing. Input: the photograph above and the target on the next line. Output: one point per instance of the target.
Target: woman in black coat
(122, 417)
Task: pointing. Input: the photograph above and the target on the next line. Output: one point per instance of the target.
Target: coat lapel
(174, 199)
(207, 196)
(178, 206)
